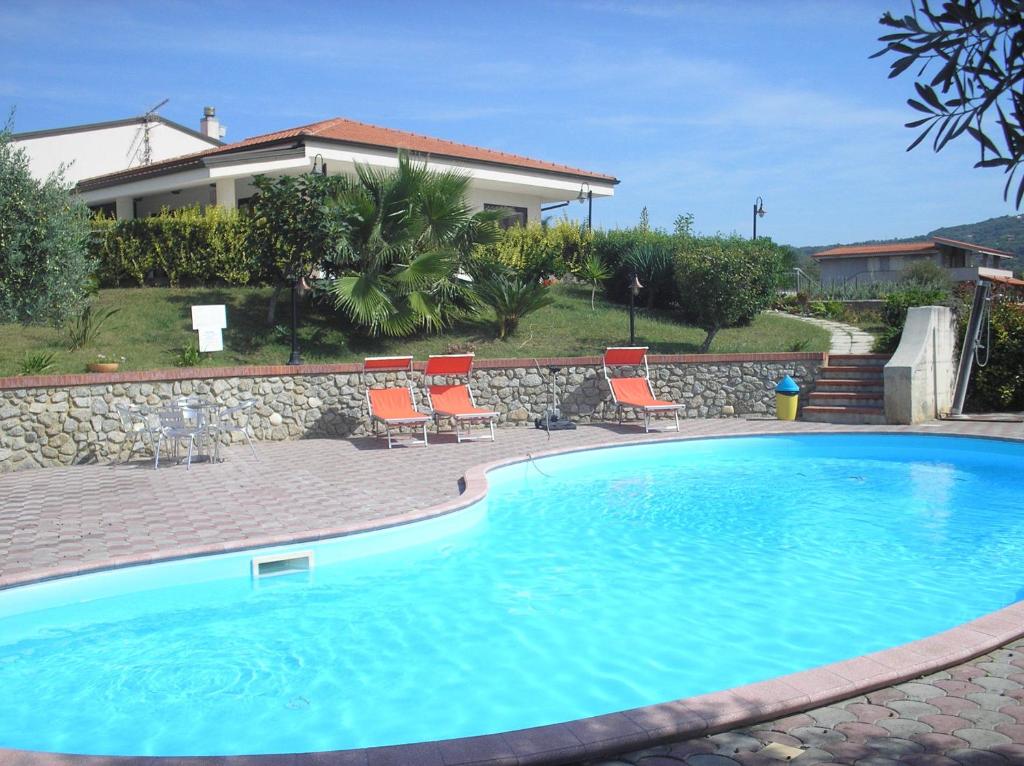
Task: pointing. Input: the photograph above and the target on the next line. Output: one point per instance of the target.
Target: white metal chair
(231, 420)
(138, 426)
(177, 425)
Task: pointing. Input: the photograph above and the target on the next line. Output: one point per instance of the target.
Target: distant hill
(1005, 233)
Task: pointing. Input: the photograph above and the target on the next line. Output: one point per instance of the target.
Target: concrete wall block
(920, 376)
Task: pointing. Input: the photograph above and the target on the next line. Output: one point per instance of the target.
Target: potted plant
(106, 363)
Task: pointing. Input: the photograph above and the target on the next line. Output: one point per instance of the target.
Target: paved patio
(59, 520)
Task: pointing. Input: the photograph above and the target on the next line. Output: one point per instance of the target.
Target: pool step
(850, 390)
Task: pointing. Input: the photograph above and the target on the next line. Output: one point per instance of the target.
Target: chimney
(210, 125)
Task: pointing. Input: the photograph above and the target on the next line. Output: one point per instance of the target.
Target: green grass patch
(154, 324)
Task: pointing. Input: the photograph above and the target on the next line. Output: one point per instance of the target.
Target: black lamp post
(295, 358)
(322, 165)
(634, 290)
(758, 211)
(589, 197)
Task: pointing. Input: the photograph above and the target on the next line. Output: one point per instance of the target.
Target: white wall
(104, 150)
(919, 377)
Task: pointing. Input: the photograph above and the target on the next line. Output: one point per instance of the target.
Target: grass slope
(154, 323)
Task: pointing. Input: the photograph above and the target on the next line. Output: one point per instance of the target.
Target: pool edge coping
(598, 736)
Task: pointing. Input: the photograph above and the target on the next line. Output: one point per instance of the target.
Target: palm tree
(595, 271)
(409, 237)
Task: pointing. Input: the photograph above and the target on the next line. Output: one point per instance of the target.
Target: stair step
(859, 360)
(843, 415)
(842, 384)
(847, 399)
(862, 372)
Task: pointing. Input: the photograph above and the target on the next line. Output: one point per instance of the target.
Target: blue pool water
(587, 583)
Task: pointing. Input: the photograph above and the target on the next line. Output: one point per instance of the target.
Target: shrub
(725, 281)
(535, 251)
(188, 246)
(828, 309)
(83, 330)
(511, 298)
(999, 385)
(38, 363)
(45, 270)
(927, 274)
(647, 253)
(894, 313)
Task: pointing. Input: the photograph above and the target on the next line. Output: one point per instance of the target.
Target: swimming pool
(587, 583)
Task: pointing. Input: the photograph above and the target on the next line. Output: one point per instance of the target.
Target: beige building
(867, 264)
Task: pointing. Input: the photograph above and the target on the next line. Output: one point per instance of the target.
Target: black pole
(755, 221)
(295, 358)
(632, 311)
(590, 209)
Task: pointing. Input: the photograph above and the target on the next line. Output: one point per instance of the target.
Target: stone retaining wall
(70, 419)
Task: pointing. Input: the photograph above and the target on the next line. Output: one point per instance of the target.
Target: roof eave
(593, 177)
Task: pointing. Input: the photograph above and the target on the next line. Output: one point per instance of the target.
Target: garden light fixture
(587, 195)
(322, 170)
(758, 211)
(634, 290)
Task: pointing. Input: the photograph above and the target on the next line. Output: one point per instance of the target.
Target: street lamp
(758, 211)
(634, 290)
(589, 197)
(323, 165)
(295, 358)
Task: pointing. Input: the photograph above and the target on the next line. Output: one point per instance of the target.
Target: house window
(516, 215)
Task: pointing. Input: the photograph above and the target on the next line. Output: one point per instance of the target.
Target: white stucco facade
(87, 151)
(225, 178)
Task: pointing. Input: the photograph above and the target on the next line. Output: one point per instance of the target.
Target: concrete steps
(849, 390)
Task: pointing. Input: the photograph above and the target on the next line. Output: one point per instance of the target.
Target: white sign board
(209, 318)
(210, 321)
(210, 339)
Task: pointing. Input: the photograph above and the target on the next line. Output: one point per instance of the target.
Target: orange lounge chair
(455, 401)
(636, 392)
(394, 407)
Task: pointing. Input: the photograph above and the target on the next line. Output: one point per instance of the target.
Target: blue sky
(696, 106)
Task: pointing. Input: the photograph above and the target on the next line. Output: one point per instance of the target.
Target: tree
(724, 282)
(976, 50)
(293, 230)
(595, 271)
(45, 270)
(409, 235)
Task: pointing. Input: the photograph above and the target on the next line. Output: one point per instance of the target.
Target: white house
(99, 148)
(223, 175)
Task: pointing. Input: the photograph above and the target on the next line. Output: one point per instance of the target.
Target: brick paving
(89, 516)
(969, 715)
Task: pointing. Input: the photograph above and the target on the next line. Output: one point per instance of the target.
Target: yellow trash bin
(787, 396)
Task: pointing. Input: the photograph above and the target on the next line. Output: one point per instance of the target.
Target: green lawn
(154, 323)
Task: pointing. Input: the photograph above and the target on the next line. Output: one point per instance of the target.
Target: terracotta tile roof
(893, 248)
(974, 246)
(900, 248)
(346, 131)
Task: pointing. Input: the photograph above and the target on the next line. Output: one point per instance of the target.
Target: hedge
(182, 247)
